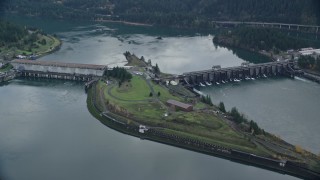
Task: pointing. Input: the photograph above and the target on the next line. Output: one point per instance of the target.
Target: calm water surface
(289, 108)
(46, 131)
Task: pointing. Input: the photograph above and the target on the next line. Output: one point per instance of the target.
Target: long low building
(58, 67)
(309, 51)
(179, 105)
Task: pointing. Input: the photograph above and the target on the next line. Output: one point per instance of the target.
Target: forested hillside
(10, 33)
(173, 12)
(258, 39)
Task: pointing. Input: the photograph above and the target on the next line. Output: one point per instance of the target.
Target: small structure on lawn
(143, 129)
(179, 105)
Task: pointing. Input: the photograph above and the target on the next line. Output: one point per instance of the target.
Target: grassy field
(201, 105)
(199, 125)
(51, 44)
(137, 89)
(165, 94)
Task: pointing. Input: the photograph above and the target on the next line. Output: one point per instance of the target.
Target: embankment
(311, 76)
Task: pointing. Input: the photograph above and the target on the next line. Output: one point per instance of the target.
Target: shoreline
(229, 46)
(125, 22)
(251, 159)
(54, 49)
(311, 76)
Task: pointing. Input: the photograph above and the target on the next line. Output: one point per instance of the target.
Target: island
(25, 42)
(22, 43)
(141, 101)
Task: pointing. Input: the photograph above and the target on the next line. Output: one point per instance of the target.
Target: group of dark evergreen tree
(261, 39)
(182, 13)
(309, 62)
(10, 33)
(239, 118)
(156, 69)
(119, 73)
(207, 100)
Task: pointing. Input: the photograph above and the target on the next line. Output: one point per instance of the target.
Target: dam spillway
(245, 71)
(58, 70)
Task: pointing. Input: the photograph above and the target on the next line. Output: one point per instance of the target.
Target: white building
(308, 52)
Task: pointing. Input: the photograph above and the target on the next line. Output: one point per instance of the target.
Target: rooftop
(60, 64)
(309, 51)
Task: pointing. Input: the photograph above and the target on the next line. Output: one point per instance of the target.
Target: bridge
(58, 70)
(246, 71)
(297, 27)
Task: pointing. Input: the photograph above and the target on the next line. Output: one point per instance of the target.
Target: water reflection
(283, 106)
(173, 54)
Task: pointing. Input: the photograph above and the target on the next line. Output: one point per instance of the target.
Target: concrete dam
(58, 70)
(246, 71)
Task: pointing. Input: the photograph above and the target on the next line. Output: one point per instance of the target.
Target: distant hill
(173, 12)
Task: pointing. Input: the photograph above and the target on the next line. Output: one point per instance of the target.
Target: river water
(46, 131)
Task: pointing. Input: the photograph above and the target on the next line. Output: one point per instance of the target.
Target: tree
(119, 73)
(43, 42)
(181, 13)
(255, 128)
(207, 100)
(309, 62)
(142, 58)
(159, 93)
(151, 94)
(237, 117)
(156, 69)
(222, 107)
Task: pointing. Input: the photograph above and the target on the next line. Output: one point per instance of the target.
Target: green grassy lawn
(52, 42)
(181, 90)
(200, 105)
(137, 89)
(165, 95)
(197, 118)
(146, 111)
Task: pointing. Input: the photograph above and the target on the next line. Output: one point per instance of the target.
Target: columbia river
(46, 131)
